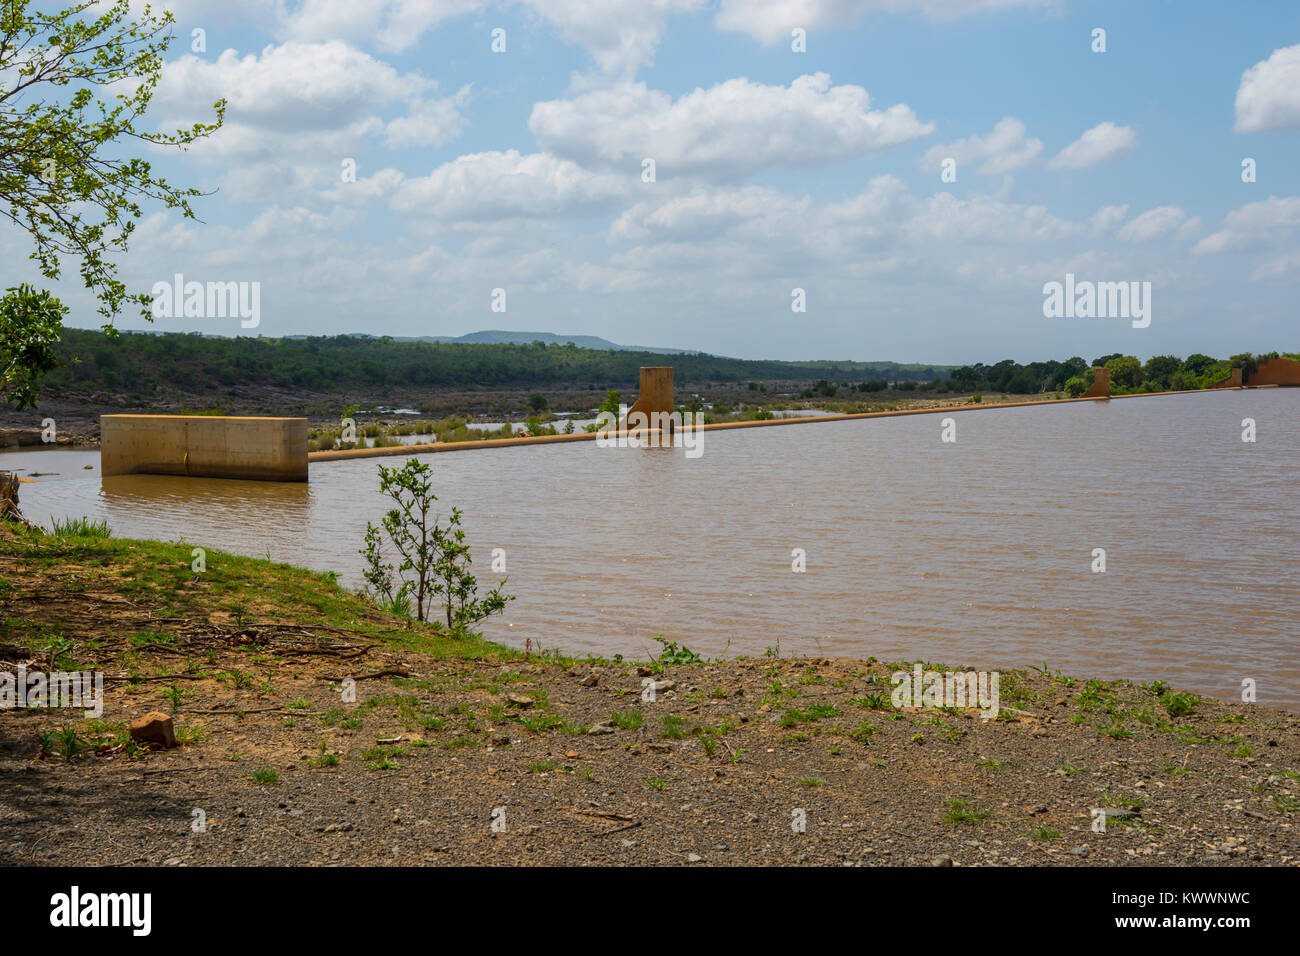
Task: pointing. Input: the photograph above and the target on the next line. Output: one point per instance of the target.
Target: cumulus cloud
(393, 25)
(480, 187)
(1269, 94)
(1003, 150)
(884, 214)
(295, 110)
(620, 35)
(1254, 224)
(1105, 219)
(1103, 142)
(726, 131)
(1158, 223)
(770, 21)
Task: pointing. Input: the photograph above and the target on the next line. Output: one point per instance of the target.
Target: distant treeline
(1160, 373)
(143, 363)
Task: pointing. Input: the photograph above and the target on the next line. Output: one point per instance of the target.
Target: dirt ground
(505, 760)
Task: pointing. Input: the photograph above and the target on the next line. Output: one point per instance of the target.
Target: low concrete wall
(206, 446)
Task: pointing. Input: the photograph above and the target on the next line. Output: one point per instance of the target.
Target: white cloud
(393, 25)
(1155, 223)
(883, 215)
(770, 21)
(1269, 94)
(1105, 219)
(1254, 224)
(1104, 141)
(296, 110)
(433, 122)
(1003, 150)
(480, 187)
(620, 35)
(726, 131)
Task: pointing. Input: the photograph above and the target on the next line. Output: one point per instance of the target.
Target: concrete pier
(205, 446)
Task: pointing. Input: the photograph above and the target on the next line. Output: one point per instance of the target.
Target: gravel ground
(537, 762)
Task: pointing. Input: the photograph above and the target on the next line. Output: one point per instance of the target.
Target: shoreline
(445, 732)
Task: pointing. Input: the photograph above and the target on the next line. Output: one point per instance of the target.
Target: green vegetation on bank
(242, 590)
(147, 364)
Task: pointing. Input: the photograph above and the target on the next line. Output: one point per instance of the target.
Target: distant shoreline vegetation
(145, 363)
(91, 360)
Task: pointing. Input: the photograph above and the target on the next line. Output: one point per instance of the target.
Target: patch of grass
(628, 721)
(1045, 833)
(673, 727)
(873, 701)
(265, 776)
(1179, 704)
(191, 733)
(659, 783)
(1286, 804)
(540, 723)
(80, 528)
(815, 712)
(811, 782)
(961, 812)
(323, 758)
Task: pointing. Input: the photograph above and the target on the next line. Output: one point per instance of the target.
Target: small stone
(154, 728)
(520, 701)
(604, 727)
(694, 858)
(1079, 851)
(591, 680)
(941, 861)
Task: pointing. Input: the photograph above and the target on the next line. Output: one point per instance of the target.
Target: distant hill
(502, 337)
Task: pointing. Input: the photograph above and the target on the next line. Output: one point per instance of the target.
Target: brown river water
(977, 552)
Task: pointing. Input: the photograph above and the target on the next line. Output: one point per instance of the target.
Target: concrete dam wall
(204, 446)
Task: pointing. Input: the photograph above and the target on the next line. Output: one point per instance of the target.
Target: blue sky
(775, 170)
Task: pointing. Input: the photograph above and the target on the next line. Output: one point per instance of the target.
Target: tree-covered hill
(143, 362)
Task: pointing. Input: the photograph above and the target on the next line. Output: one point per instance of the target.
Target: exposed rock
(154, 728)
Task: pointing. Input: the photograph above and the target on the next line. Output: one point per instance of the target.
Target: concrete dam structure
(204, 446)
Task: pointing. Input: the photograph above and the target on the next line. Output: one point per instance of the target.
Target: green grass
(254, 590)
(961, 812)
(815, 712)
(628, 721)
(1045, 833)
(79, 528)
(266, 776)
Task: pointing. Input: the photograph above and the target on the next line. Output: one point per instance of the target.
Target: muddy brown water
(976, 552)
